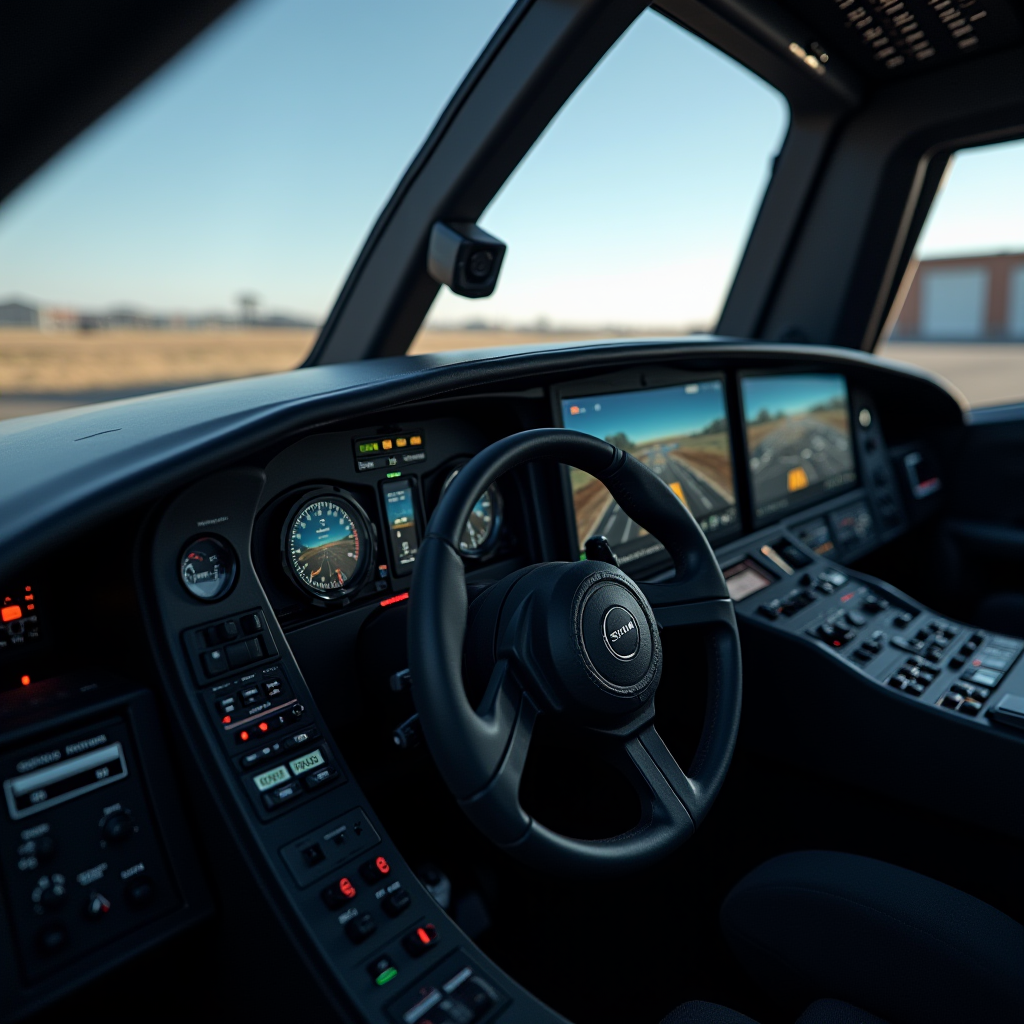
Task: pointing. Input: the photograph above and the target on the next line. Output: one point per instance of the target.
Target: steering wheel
(579, 640)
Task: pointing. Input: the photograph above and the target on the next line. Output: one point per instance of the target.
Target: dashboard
(251, 549)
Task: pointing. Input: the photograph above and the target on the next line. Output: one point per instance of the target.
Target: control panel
(884, 635)
(319, 854)
(90, 874)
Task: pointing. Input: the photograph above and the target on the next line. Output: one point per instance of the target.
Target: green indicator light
(365, 447)
(385, 976)
(391, 476)
(583, 556)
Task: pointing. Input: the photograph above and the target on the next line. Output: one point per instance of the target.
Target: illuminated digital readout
(324, 546)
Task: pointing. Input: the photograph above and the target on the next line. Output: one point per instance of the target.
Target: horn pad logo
(621, 635)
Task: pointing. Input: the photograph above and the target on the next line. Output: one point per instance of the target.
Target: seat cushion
(696, 1011)
(904, 946)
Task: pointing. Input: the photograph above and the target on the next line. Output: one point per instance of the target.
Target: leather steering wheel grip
(480, 752)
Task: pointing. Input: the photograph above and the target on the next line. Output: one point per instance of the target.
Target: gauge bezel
(497, 501)
(232, 578)
(359, 517)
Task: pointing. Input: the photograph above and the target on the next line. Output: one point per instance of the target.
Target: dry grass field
(40, 372)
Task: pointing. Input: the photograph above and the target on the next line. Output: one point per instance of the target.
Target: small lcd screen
(744, 579)
(682, 434)
(798, 440)
(400, 509)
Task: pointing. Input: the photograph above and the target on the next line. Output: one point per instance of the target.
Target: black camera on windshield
(465, 258)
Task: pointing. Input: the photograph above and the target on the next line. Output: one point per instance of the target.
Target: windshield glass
(202, 228)
(631, 212)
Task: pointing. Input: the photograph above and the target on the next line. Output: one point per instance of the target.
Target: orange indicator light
(401, 442)
(347, 888)
(244, 736)
(10, 612)
(382, 865)
(226, 720)
(423, 936)
(264, 727)
(574, 410)
(415, 439)
(386, 444)
(25, 680)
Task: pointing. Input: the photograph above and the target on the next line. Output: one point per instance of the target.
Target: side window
(631, 212)
(960, 309)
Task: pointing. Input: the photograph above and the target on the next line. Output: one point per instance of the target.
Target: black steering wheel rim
(481, 751)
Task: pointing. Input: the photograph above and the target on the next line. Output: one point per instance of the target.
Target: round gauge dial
(481, 529)
(207, 567)
(327, 547)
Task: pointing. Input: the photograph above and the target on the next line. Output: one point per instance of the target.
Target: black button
(214, 662)
(139, 892)
(51, 939)
(282, 795)
(423, 938)
(238, 654)
(227, 706)
(376, 869)
(395, 902)
(321, 775)
(299, 739)
(313, 855)
(118, 827)
(250, 695)
(855, 618)
(951, 701)
(273, 687)
(970, 706)
(228, 631)
(255, 648)
(861, 654)
(252, 623)
(338, 893)
(360, 928)
(256, 756)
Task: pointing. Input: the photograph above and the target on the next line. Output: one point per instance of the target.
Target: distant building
(18, 314)
(964, 298)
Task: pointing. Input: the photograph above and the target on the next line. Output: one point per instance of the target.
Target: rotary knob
(117, 827)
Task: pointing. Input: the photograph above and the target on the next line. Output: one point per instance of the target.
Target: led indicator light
(382, 865)
(25, 680)
(385, 976)
(401, 442)
(263, 727)
(415, 440)
(243, 736)
(347, 888)
(391, 476)
(10, 612)
(394, 600)
(386, 444)
(423, 936)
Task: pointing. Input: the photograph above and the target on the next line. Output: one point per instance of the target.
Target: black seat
(905, 947)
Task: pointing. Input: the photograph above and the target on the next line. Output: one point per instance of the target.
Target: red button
(423, 938)
(376, 869)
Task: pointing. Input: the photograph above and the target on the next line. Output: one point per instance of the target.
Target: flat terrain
(40, 371)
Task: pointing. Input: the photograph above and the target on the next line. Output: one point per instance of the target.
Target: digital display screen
(400, 509)
(744, 579)
(798, 439)
(682, 433)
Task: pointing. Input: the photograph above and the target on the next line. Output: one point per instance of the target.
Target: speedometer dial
(327, 546)
(481, 529)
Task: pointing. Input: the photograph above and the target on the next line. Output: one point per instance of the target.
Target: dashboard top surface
(103, 458)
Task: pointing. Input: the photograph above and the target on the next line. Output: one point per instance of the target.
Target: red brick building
(975, 298)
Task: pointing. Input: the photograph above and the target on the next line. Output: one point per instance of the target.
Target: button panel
(229, 644)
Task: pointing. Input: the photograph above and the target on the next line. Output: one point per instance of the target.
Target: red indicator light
(382, 865)
(423, 936)
(574, 410)
(264, 727)
(394, 600)
(31, 607)
(11, 612)
(837, 643)
(226, 720)
(243, 736)
(846, 597)
(25, 680)
(976, 663)
(347, 888)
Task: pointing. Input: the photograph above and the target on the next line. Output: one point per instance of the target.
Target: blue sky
(649, 414)
(259, 158)
(789, 395)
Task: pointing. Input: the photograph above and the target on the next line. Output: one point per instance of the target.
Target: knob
(96, 906)
(117, 827)
(53, 898)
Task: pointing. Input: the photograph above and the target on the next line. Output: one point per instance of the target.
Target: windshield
(202, 228)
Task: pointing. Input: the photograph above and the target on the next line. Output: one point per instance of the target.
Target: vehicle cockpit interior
(623, 679)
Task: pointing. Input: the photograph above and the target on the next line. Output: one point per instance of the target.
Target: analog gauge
(327, 546)
(481, 529)
(207, 567)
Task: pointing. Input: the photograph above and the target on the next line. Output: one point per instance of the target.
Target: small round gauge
(327, 546)
(208, 567)
(484, 522)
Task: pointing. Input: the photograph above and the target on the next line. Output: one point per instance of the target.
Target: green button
(385, 976)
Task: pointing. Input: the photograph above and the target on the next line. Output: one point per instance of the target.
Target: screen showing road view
(680, 432)
(798, 439)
